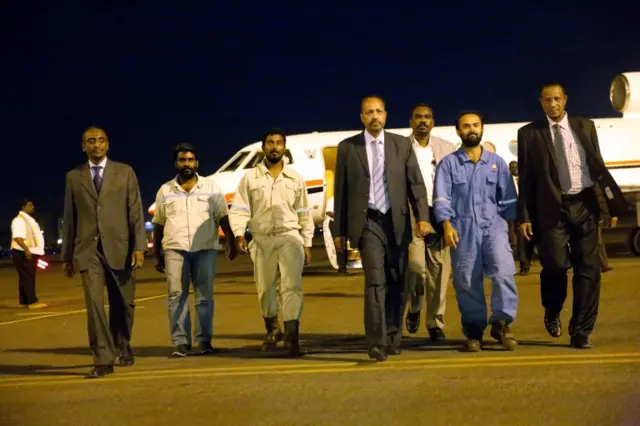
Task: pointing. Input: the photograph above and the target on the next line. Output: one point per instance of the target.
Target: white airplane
(314, 156)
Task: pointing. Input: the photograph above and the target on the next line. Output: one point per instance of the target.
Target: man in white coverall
(272, 200)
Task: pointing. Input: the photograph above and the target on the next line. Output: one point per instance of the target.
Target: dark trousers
(573, 242)
(341, 256)
(525, 251)
(384, 265)
(26, 269)
(109, 337)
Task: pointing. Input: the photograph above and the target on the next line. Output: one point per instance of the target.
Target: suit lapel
(389, 151)
(578, 131)
(108, 176)
(87, 181)
(361, 150)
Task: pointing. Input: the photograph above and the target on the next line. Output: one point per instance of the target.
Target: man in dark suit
(559, 164)
(376, 172)
(104, 239)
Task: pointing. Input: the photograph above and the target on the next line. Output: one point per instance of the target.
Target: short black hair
(93, 128)
(468, 112)
(421, 105)
(552, 84)
(24, 202)
(185, 147)
(380, 98)
(273, 131)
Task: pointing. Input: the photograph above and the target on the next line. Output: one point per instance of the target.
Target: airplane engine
(624, 94)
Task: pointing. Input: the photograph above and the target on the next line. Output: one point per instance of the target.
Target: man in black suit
(560, 164)
(375, 173)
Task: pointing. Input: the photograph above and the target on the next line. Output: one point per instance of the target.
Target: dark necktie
(563, 164)
(97, 179)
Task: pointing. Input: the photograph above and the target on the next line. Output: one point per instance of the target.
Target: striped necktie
(380, 192)
(561, 156)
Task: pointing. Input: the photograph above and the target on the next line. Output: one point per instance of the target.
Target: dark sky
(157, 74)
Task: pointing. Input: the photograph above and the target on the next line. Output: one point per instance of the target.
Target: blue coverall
(478, 199)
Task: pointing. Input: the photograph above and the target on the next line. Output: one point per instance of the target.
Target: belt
(576, 197)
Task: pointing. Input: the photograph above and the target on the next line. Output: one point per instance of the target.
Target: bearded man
(189, 210)
(474, 197)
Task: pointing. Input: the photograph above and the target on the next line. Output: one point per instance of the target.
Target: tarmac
(44, 355)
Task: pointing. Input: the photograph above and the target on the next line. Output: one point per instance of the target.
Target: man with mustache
(377, 180)
(189, 210)
(103, 238)
(561, 172)
(474, 198)
(272, 201)
(429, 260)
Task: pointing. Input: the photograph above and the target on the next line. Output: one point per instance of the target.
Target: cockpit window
(235, 162)
(255, 160)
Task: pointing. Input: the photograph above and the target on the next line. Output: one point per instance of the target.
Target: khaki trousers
(428, 274)
(286, 253)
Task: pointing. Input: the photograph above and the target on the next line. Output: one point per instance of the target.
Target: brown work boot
(291, 338)
(472, 345)
(502, 333)
(274, 334)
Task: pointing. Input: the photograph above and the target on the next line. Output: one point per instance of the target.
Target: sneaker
(180, 352)
(206, 348)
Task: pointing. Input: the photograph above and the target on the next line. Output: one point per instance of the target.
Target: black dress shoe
(392, 350)
(553, 325)
(580, 341)
(99, 371)
(126, 358)
(378, 354)
(412, 322)
(436, 334)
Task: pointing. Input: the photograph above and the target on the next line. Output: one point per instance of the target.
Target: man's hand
(527, 230)
(232, 251)
(241, 244)
(450, 235)
(424, 228)
(307, 255)
(27, 253)
(340, 243)
(612, 222)
(68, 268)
(160, 264)
(137, 259)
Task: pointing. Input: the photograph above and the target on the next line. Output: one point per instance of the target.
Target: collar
(102, 164)
(417, 144)
(262, 170)
(463, 158)
(368, 138)
(564, 123)
(198, 184)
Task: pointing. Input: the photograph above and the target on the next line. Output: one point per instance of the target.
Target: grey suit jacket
(352, 187)
(114, 217)
(441, 147)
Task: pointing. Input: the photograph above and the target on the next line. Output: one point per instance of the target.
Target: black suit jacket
(351, 193)
(539, 184)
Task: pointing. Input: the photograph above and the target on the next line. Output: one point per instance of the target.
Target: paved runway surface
(44, 356)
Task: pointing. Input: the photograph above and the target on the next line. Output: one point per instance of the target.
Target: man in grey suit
(104, 239)
(376, 219)
(429, 260)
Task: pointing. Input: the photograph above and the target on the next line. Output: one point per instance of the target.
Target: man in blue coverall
(474, 197)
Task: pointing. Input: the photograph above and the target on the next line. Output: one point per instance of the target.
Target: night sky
(155, 75)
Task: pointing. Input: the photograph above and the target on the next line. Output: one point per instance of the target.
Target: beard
(471, 140)
(273, 157)
(187, 172)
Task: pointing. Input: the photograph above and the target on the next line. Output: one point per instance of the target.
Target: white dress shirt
(25, 226)
(426, 161)
(367, 142)
(575, 155)
(102, 165)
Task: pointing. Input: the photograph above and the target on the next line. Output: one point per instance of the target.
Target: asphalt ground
(44, 355)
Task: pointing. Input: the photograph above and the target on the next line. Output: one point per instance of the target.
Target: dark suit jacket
(115, 216)
(351, 194)
(539, 185)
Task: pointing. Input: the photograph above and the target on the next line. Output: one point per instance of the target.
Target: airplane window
(255, 160)
(235, 163)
